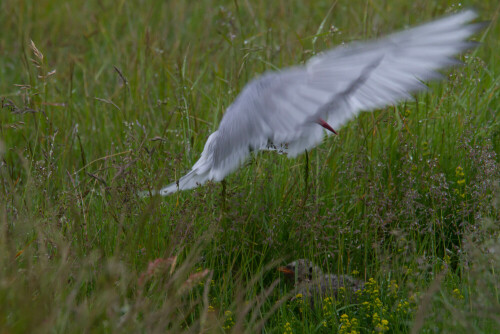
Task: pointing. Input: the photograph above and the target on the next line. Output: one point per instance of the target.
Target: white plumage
(290, 107)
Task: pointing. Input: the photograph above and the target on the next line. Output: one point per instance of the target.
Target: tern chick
(312, 282)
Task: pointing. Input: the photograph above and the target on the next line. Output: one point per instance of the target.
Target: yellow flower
(393, 288)
(345, 324)
(229, 322)
(355, 272)
(461, 182)
(341, 293)
(381, 325)
(328, 300)
(288, 328)
(403, 307)
(327, 303)
(299, 295)
(458, 294)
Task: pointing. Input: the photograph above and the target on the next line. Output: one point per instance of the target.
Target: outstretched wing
(283, 107)
(406, 58)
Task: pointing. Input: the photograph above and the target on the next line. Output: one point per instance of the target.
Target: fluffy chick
(312, 282)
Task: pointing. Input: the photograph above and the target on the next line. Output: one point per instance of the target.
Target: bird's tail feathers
(188, 181)
(199, 174)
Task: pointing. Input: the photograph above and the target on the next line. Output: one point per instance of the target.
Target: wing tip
(478, 26)
(470, 13)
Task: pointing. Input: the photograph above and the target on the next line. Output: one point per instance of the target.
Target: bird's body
(330, 285)
(312, 283)
(293, 107)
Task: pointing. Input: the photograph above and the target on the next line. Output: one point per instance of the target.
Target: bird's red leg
(324, 124)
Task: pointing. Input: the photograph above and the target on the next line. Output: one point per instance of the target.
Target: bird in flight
(295, 107)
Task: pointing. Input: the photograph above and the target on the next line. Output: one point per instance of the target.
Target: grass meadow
(103, 99)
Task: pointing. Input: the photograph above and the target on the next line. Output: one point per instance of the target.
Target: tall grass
(101, 100)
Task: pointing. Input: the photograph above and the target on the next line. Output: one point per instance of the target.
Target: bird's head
(300, 270)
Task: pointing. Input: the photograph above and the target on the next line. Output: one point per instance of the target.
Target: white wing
(283, 107)
(406, 59)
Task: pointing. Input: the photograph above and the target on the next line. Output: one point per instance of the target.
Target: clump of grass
(47, 286)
